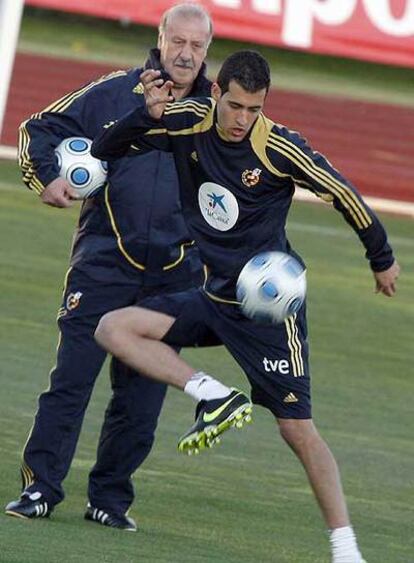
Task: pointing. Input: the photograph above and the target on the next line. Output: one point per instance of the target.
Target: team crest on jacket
(251, 177)
(73, 300)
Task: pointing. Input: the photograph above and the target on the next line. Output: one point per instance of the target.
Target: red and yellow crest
(251, 177)
(73, 300)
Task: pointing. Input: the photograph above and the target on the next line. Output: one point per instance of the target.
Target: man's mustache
(185, 64)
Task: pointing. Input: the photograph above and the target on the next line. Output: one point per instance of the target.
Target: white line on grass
(379, 204)
(340, 233)
(9, 153)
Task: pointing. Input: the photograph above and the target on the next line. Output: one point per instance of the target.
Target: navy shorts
(273, 357)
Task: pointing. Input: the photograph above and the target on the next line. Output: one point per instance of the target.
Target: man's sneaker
(213, 418)
(120, 521)
(29, 505)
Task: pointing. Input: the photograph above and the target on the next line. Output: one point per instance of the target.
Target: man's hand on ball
(59, 193)
(157, 92)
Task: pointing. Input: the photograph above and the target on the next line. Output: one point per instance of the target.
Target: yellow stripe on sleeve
(182, 105)
(179, 110)
(347, 197)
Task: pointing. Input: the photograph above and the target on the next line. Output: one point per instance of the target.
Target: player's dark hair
(248, 68)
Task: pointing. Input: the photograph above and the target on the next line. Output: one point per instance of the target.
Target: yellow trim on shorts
(295, 346)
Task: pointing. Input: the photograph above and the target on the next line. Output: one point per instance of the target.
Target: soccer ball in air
(271, 287)
(84, 173)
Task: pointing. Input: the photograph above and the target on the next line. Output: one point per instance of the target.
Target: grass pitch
(247, 500)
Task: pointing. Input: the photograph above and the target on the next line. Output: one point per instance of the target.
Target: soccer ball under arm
(84, 173)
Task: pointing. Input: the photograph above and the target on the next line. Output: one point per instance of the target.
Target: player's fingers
(64, 198)
(168, 84)
(149, 81)
(149, 87)
(162, 95)
(388, 290)
(149, 75)
(165, 91)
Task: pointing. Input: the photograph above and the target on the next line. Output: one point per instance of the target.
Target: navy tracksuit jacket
(131, 242)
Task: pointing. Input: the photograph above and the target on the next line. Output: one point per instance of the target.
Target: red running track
(371, 144)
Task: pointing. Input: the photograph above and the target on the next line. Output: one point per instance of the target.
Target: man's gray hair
(187, 10)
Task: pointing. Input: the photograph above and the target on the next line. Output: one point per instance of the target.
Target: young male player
(237, 174)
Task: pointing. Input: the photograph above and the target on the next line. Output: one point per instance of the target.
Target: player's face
(237, 110)
(183, 46)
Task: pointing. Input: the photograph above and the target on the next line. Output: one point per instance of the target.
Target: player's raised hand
(157, 92)
(386, 280)
(59, 193)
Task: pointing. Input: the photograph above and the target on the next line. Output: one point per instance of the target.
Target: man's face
(183, 47)
(237, 110)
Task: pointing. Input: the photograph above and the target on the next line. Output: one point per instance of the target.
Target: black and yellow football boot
(213, 418)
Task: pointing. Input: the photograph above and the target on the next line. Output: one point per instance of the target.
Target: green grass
(87, 38)
(248, 500)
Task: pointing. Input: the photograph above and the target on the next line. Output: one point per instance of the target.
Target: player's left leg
(323, 474)
(320, 466)
(324, 478)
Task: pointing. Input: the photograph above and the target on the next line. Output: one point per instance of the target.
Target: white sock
(344, 546)
(203, 387)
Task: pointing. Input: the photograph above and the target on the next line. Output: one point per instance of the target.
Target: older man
(131, 243)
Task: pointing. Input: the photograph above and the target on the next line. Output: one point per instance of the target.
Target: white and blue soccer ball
(84, 173)
(271, 287)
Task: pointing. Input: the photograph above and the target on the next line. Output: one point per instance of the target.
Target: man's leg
(324, 478)
(127, 434)
(320, 466)
(126, 438)
(51, 445)
(52, 441)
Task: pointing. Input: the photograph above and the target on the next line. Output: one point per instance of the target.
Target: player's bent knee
(131, 322)
(108, 332)
(128, 322)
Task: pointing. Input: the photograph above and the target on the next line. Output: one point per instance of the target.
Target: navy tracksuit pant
(131, 417)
